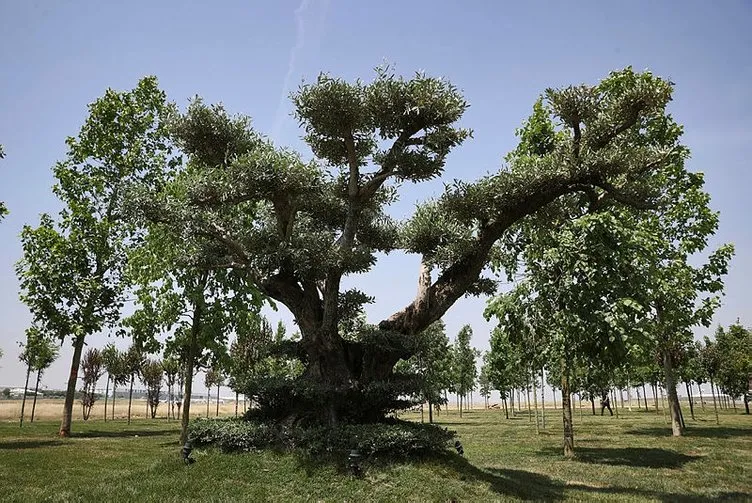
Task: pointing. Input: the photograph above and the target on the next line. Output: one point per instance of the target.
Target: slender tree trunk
(566, 408)
(460, 404)
(130, 398)
(26, 390)
(629, 396)
(553, 393)
(70, 391)
(655, 397)
(733, 401)
(236, 404)
(36, 390)
(689, 396)
(430, 412)
(114, 392)
(218, 385)
(616, 407)
(543, 400)
(639, 406)
(106, 394)
(506, 409)
(511, 403)
(535, 402)
(592, 402)
(746, 404)
(529, 409)
(645, 396)
(714, 402)
(208, 394)
(621, 398)
(702, 399)
(579, 395)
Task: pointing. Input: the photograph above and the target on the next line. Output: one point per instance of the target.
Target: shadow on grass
(527, 485)
(695, 431)
(643, 457)
(122, 433)
(28, 444)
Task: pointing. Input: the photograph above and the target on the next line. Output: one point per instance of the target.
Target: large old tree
(297, 228)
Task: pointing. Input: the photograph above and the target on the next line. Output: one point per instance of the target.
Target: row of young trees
(239, 366)
(726, 372)
(203, 220)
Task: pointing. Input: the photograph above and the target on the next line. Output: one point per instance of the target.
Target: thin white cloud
(301, 23)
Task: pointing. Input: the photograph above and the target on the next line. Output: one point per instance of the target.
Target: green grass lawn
(632, 458)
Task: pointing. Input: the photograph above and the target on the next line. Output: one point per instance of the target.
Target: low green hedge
(390, 439)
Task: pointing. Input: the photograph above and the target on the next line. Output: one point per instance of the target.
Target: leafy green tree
(484, 385)
(171, 367)
(179, 293)
(45, 354)
(252, 340)
(431, 365)
(109, 362)
(116, 365)
(211, 378)
(463, 362)
(504, 366)
(710, 358)
(29, 353)
(734, 374)
(297, 229)
(133, 362)
(70, 271)
(91, 367)
(152, 374)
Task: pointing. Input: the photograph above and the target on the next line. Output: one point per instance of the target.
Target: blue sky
(59, 56)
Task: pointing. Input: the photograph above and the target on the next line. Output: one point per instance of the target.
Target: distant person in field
(606, 404)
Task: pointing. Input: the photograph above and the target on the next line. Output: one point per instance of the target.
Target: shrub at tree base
(391, 439)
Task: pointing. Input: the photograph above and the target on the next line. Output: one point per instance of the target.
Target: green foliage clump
(392, 439)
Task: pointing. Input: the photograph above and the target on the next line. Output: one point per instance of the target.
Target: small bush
(393, 439)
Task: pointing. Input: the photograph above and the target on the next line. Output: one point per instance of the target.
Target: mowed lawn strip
(632, 458)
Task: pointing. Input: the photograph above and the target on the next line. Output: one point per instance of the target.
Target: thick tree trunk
(746, 404)
(689, 397)
(567, 414)
(106, 394)
(70, 391)
(26, 390)
(130, 398)
(36, 390)
(715, 406)
(592, 403)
